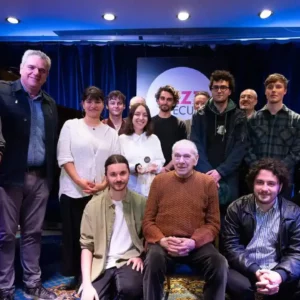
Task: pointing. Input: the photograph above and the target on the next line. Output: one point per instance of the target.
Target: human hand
(137, 263)
(164, 170)
(88, 292)
(269, 282)
(98, 187)
(140, 169)
(85, 185)
(215, 174)
(152, 168)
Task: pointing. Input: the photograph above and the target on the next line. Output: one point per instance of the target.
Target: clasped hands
(268, 282)
(177, 246)
(151, 168)
(90, 187)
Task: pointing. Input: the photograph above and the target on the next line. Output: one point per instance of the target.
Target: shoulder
(135, 198)
(48, 98)
(71, 123)
(290, 209)
(108, 131)
(204, 178)
(241, 203)
(153, 138)
(155, 118)
(124, 138)
(95, 202)
(6, 87)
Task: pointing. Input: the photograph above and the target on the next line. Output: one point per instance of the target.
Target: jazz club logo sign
(186, 80)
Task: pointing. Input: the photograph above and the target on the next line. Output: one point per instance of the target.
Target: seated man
(181, 222)
(262, 237)
(111, 238)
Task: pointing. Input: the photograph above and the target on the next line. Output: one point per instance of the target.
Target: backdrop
(76, 66)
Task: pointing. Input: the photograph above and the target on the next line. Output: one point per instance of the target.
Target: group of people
(140, 194)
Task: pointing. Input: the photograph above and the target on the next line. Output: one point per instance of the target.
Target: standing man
(220, 134)
(274, 130)
(200, 100)
(167, 127)
(180, 225)
(248, 100)
(112, 240)
(135, 100)
(262, 237)
(29, 124)
(116, 105)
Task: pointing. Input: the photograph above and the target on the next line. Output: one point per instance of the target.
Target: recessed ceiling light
(183, 16)
(266, 13)
(109, 17)
(12, 20)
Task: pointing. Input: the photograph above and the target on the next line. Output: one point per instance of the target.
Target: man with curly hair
(262, 237)
(219, 133)
(168, 128)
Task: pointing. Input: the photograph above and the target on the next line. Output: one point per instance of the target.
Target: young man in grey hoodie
(219, 131)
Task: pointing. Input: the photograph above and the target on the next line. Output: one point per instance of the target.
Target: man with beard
(248, 100)
(167, 127)
(274, 130)
(220, 134)
(111, 238)
(262, 237)
(116, 105)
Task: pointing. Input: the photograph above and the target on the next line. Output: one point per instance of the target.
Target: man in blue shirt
(262, 237)
(29, 126)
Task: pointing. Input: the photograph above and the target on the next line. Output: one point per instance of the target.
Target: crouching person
(111, 238)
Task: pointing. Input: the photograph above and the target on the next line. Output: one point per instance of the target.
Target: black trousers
(205, 260)
(123, 283)
(71, 214)
(241, 287)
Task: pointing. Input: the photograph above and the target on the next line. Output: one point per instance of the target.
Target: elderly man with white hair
(181, 222)
(135, 100)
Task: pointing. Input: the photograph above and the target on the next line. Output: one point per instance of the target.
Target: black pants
(71, 214)
(123, 283)
(206, 260)
(241, 287)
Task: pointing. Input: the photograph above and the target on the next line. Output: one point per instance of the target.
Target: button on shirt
(36, 148)
(262, 247)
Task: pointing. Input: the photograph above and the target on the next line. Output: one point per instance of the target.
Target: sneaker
(39, 293)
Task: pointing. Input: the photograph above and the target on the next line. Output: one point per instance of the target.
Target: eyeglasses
(220, 87)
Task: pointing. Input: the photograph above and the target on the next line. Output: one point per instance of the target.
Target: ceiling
(141, 21)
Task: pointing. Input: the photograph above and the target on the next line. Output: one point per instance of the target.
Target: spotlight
(183, 16)
(266, 13)
(109, 17)
(12, 20)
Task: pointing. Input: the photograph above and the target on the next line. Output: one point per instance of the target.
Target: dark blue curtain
(110, 67)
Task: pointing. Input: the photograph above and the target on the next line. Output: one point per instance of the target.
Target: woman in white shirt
(83, 146)
(142, 149)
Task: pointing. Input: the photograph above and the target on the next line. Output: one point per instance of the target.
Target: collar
(109, 202)
(274, 207)
(17, 86)
(284, 108)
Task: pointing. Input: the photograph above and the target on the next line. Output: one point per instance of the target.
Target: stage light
(183, 16)
(109, 17)
(266, 13)
(12, 20)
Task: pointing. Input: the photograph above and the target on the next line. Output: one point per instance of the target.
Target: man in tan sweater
(181, 222)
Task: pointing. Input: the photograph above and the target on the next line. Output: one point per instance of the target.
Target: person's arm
(208, 232)
(235, 157)
(2, 142)
(234, 250)
(86, 266)
(293, 156)
(151, 232)
(158, 158)
(289, 266)
(197, 137)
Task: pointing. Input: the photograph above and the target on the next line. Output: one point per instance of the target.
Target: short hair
(115, 159)
(186, 143)
(277, 167)
(276, 77)
(38, 53)
(129, 129)
(116, 95)
(168, 88)
(92, 92)
(222, 75)
(135, 98)
(202, 93)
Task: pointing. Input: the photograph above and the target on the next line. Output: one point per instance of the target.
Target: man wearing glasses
(219, 133)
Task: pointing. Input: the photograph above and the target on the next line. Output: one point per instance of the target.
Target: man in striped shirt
(262, 237)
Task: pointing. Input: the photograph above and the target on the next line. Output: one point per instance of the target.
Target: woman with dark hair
(142, 149)
(83, 147)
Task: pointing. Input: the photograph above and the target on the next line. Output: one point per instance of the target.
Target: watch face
(147, 159)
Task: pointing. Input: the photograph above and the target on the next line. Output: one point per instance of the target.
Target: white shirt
(140, 149)
(88, 149)
(120, 241)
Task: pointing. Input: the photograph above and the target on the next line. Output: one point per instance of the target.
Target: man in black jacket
(29, 126)
(262, 237)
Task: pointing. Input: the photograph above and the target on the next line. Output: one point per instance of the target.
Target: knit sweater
(182, 207)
